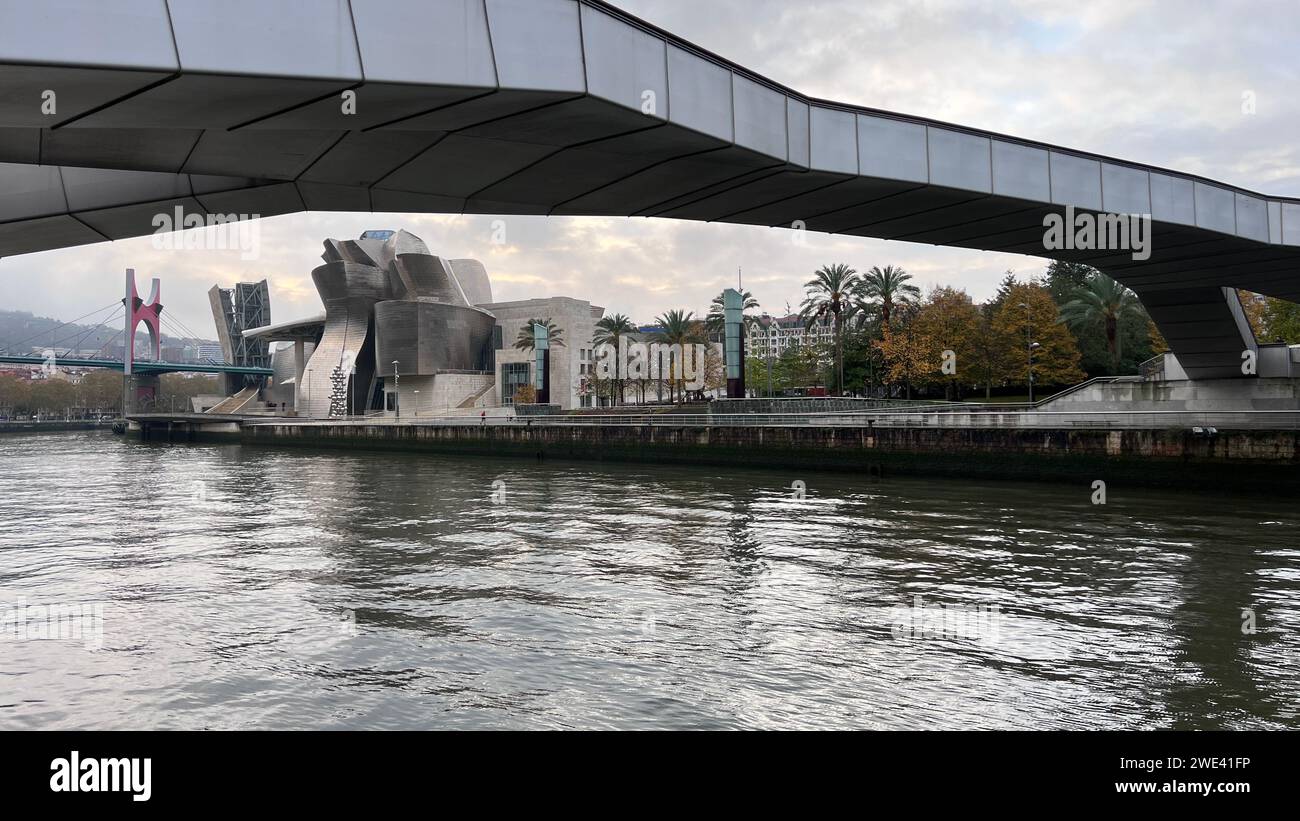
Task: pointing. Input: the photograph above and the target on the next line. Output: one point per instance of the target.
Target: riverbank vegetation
(889, 339)
(94, 393)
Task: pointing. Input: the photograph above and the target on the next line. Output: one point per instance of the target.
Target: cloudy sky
(1158, 83)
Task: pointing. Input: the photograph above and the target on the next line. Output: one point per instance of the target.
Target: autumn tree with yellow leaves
(950, 321)
(911, 356)
(1028, 315)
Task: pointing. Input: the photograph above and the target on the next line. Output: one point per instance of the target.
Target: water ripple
(261, 588)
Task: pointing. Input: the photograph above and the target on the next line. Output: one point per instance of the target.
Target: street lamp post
(771, 343)
(839, 350)
(397, 393)
(1033, 346)
(1030, 345)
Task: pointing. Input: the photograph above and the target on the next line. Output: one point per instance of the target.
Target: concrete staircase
(236, 403)
(472, 399)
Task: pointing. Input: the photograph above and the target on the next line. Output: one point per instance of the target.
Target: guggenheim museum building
(407, 331)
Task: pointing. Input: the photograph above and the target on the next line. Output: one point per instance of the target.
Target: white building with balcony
(773, 335)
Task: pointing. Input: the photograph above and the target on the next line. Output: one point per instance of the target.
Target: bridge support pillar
(230, 384)
(1206, 328)
(299, 366)
(140, 392)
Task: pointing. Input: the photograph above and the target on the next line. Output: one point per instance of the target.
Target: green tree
(798, 366)
(677, 327)
(101, 390)
(756, 376)
(1102, 302)
(1281, 321)
(52, 396)
(882, 290)
(861, 360)
(609, 330)
(1064, 277)
(992, 354)
(999, 299)
(863, 363)
(177, 389)
(832, 292)
(15, 396)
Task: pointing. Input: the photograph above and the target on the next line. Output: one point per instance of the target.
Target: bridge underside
(557, 107)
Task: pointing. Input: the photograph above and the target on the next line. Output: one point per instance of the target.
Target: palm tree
(831, 292)
(609, 330)
(884, 289)
(676, 327)
(717, 312)
(1105, 301)
(554, 334)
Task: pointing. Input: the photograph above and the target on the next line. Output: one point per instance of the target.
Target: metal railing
(1153, 369)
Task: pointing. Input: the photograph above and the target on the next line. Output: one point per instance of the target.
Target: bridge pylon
(140, 390)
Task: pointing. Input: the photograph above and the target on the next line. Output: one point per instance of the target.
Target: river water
(205, 586)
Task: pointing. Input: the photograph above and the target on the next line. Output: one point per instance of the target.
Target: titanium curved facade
(349, 291)
(556, 107)
(388, 299)
(284, 371)
(428, 337)
(473, 279)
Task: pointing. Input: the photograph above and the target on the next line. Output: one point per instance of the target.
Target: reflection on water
(261, 588)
